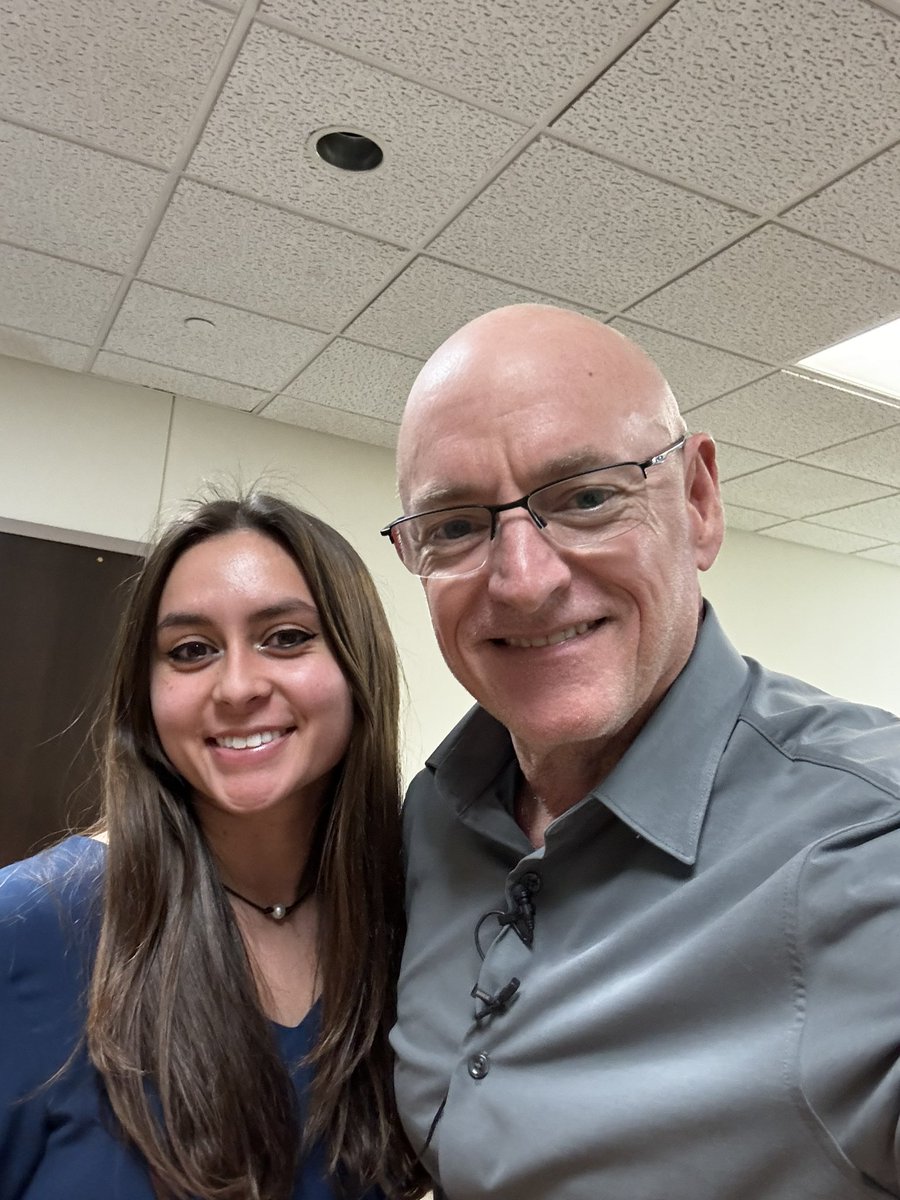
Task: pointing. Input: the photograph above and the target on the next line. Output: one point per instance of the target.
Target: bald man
(654, 946)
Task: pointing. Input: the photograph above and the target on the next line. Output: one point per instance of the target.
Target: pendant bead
(278, 911)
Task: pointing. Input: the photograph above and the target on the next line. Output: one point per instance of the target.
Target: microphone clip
(494, 1003)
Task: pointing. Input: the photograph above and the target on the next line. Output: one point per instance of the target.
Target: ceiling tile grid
(224, 342)
(823, 539)
(567, 222)
(41, 294)
(353, 378)
(776, 295)
(323, 419)
(431, 300)
(734, 461)
(875, 456)
(885, 554)
(516, 58)
(283, 90)
(876, 518)
(795, 490)
(790, 416)
(753, 100)
(257, 257)
(122, 74)
(180, 383)
(696, 373)
(749, 519)
(49, 351)
(718, 178)
(859, 211)
(73, 202)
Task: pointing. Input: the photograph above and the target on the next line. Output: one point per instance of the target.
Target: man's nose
(524, 566)
(241, 677)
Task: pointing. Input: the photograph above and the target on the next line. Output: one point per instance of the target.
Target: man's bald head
(494, 358)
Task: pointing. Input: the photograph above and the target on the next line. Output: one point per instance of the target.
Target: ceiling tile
(735, 460)
(323, 419)
(876, 456)
(241, 347)
(181, 383)
(820, 537)
(47, 350)
(123, 74)
(431, 300)
(755, 100)
(47, 295)
(795, 490)
(859, 211)
(696, 373)
(790, 416)
(749, 519)
(775, 295)
(64, 199)
(886, 554)
(521, 59)
(352, 378)
(283, 265)
(569, 223)
(281, 90)
(877, 518)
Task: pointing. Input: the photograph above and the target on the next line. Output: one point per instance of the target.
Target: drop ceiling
(719, 179)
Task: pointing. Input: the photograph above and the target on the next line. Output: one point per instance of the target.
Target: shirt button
(479, 1065)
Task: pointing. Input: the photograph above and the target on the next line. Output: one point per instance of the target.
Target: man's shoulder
(810, 725)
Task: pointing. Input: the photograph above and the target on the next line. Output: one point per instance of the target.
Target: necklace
(277, 912)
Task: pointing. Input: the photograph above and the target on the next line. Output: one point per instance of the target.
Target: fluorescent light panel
(870, 360)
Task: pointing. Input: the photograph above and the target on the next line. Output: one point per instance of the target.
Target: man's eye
(452, 531)
(452, 528)
(588, 498)
(288, 639)
(190, 653)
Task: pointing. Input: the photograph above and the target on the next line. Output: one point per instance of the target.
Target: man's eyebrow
(453, 495)
(291, 606)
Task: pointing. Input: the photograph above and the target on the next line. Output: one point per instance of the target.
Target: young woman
(195, 996)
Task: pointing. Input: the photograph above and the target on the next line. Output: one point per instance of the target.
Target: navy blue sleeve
(45, 946)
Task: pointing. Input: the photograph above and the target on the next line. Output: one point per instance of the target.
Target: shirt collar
(662, 784)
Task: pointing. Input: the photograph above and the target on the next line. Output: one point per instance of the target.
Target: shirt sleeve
(37, 1030)
(846, 933)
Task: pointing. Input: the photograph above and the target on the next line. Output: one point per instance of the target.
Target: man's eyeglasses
(575, 513)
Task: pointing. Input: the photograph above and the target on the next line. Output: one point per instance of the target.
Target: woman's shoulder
(46, 899)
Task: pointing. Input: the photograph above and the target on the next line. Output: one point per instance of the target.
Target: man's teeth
(553, 639)
(251, 741)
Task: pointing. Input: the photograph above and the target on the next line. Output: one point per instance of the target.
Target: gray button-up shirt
(709, 1007)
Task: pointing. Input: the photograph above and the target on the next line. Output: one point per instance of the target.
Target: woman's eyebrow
(281, 608)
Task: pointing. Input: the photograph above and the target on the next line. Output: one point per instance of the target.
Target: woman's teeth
(251, 742)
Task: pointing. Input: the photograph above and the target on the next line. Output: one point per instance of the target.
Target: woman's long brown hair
(175, 1025)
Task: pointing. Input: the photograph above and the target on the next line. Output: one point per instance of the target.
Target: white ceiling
(717, 178)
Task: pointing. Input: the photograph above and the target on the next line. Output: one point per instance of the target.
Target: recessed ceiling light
(870, 360)
(348, 151)
(199, 324)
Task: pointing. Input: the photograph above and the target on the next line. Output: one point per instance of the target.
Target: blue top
(58, 1139)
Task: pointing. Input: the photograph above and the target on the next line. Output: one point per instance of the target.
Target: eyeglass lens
(574, 513)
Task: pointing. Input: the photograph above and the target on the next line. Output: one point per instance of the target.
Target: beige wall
(87, 458)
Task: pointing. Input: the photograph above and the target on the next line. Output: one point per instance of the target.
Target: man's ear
(704, 504)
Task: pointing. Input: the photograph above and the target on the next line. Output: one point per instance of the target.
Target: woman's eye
(190, 653)
(288, 639)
